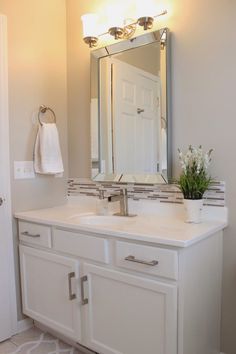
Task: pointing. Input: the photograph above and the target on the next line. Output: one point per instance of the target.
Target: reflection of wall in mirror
(144, 58)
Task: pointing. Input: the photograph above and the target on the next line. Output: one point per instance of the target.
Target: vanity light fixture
(118, 31)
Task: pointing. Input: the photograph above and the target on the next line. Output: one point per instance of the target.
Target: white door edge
(5, 180)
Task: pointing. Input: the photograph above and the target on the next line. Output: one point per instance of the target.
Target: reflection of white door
(7, 279)
(136, 119)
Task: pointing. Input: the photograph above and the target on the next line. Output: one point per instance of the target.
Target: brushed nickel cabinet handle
(26, 233)
(71, 295)
(83, 279)
(133, 259)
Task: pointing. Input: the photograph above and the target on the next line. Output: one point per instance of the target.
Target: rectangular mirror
(130, 122)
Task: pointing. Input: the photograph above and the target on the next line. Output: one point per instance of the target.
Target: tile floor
(34, 341)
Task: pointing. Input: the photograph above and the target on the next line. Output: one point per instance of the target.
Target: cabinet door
(49, 290)
(127, 314)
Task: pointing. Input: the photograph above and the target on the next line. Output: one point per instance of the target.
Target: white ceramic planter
(193, 209)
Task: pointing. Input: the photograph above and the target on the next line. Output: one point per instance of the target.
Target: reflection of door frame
(8, 268)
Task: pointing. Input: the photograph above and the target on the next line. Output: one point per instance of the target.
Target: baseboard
(23, 325)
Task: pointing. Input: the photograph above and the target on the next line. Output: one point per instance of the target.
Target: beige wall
(37, 75)
(203, 96)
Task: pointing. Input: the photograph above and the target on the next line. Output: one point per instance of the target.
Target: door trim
(5, 177)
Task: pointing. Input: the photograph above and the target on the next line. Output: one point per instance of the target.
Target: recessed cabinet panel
(49, 289)
(126, 314)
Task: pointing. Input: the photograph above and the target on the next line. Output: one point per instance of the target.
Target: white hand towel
(47, 152)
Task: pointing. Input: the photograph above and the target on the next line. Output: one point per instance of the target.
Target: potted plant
(194, 180)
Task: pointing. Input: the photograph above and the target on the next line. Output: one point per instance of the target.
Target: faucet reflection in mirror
(121, 29)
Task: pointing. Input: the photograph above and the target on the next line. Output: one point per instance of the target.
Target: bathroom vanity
(148, 284)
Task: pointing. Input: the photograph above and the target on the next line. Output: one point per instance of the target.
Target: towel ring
(42, 110)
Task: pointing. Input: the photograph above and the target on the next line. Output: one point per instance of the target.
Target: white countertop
(155, 222)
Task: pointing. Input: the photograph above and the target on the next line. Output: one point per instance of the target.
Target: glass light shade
(89, 21)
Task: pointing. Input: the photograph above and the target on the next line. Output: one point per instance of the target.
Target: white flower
(195, 159)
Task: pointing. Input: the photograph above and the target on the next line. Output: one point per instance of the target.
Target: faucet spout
(123, 199)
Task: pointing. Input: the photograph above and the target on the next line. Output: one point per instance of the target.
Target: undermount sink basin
(101, 219)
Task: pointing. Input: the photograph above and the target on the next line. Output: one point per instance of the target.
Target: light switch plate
(24, 169)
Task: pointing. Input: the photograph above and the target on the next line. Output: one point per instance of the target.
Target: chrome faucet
(123, 199)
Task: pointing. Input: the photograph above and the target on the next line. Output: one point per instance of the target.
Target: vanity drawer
(81, 245)
(147, 259)
(35, 234)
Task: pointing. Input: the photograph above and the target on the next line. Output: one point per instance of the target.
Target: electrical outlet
(24, 169)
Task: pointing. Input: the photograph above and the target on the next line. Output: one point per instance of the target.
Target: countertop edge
(123, 234)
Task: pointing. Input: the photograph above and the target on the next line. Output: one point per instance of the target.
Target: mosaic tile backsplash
(164, 193)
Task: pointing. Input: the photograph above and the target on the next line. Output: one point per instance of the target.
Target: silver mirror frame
(163, 36)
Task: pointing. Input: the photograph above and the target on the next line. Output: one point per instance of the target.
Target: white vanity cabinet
(122, 296)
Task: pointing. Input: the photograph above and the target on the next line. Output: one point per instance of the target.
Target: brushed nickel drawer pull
(83, 279)
(133, 259)
(71, 295)
(26, 233)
